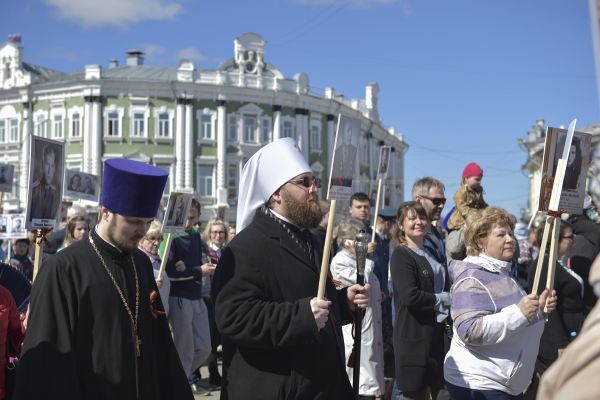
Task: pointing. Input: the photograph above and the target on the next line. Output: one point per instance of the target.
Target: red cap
(472, 170)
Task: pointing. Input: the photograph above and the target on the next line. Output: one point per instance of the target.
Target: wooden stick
(552, 256)
(163, 262)
(376, 212)
(538, 271)
(326, 250)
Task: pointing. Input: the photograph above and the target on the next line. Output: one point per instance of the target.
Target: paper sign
(177, 212)
(343, 158)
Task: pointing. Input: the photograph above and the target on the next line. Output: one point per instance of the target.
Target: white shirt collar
(492, 264)
(281, 217)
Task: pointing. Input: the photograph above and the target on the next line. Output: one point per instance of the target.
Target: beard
(304, 214)
(121, 245)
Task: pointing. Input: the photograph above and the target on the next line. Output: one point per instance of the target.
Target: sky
(462, 80)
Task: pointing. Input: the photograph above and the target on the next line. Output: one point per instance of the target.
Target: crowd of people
(437, 323)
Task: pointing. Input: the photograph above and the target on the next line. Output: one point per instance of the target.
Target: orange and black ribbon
(556, 214)
(153, 296)
(42, 236)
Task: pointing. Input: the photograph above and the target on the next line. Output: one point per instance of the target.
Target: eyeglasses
(154, 240)
(218, 233)
(308, 182)
(437, 201)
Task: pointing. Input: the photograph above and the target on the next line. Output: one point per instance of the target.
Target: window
(288, 129)
(315, 136)
(206, 127)
(233, 128)
(232, 184)
(40, 126)
(14, 130)
(2, 131)
(249, 129)
(138, 125)
(57, 126)
(163, 125)
(205, 180)
(76, 125)
(266, 131)
(113, 124)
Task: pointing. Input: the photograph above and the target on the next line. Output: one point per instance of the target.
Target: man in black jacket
(279, 341)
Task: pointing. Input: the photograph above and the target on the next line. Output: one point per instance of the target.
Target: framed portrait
(4, 226)
(45, 183)
(6, 177)
(16, 226)
(343, 158)
(79, 185)
(221, 211)
(573, 188)
(384, 162)
(92, 219)
(178, 209)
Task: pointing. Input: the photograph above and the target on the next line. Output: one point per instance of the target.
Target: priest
(96, 327)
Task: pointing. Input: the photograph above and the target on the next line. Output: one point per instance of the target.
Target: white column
(306, 133)
(221, 153)
(189, 146)
(179, 145)
(96, 155)
(87, 136)
(276, 122)
(23, 176)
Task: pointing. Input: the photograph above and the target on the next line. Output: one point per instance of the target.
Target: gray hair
(347, 230)
(422, 186)
(76, 211)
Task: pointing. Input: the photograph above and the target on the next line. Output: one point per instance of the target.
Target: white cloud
(120, 13)
(154, 52)
(192, 54)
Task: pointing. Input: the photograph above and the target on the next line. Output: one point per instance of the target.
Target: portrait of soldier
(343, 161)
(74, 183)
(45, 194)
(86, 186)
(385, 156)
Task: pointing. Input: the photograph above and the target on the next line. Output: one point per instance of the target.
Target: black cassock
(80, 342)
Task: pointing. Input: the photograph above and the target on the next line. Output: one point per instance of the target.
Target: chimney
(135, 58)
(113, 63)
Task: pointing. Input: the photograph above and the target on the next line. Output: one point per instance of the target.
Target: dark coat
(272, 348)
(418, 338)
(586, 247)
(80, 340)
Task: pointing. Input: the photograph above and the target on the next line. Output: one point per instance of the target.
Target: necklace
(134, 321)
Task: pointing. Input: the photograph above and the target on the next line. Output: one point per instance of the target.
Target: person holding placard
(95, 331)
(278, 339)
(150, 244)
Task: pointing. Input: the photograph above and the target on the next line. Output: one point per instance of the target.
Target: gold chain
(134, 321)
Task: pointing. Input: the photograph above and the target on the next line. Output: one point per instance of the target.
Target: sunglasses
(308, 182)
(437, 201)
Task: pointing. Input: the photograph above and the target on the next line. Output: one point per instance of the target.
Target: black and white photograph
(177, 211)
(16, 226)
(6, 177)
(384, 162)
(573, 188)
(79, 185)
(45, 183)
(4, 232)
(344, 158)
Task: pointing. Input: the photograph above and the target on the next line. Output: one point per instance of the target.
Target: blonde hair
(479, 225)
(399, 236)
(347, 230)
(210, 224)
(155, 229)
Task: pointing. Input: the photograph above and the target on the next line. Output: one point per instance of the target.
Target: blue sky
(463, 80)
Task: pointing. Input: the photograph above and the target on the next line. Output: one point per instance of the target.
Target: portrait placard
(4, 226)
(573, 188)
(6, 177)
(178, 209)
(16, 226)
(343, 158)
(79, 185)
(384, 162)
(45, 183)
(92, 219)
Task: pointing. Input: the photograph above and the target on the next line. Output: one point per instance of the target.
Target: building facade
(200, 125)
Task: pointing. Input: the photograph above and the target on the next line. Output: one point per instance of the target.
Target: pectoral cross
(138, 343)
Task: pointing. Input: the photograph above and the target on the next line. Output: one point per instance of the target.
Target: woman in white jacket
(497, 326)
(343, 270)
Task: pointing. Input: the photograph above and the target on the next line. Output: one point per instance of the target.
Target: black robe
(80, 342)
(272, 348)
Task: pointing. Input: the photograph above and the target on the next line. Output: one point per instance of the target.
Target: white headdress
(264, 173)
